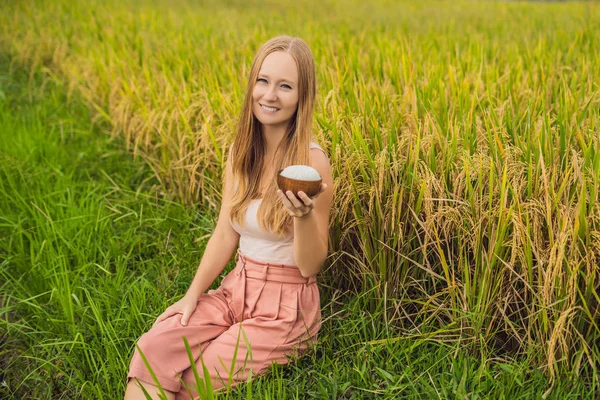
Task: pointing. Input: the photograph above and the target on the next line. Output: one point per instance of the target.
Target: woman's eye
(286, 86)
(263, 80)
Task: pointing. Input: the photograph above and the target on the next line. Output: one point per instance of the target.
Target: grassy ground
(91, 251)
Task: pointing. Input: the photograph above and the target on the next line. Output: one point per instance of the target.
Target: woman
(267, 308)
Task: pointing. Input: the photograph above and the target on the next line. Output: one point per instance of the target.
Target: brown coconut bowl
(309, 187)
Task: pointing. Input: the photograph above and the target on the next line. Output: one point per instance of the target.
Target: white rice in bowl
(301, 173)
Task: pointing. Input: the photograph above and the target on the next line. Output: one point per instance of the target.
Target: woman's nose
(271, 93)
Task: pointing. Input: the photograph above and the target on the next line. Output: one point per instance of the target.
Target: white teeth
(269, 109)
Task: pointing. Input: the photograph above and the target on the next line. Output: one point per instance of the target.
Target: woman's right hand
(185, 306)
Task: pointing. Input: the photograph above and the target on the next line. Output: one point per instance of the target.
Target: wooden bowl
(309, 187)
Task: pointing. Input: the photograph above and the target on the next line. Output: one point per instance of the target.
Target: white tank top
(263, 245)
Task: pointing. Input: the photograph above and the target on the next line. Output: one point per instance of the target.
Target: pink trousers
(267, 311)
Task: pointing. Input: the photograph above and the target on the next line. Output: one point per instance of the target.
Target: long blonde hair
(249, 146)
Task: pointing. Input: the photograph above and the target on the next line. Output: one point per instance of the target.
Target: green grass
(91, 252)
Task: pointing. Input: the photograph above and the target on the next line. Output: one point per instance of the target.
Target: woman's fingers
(309, 200)
(301, 204)
(185, 317)
(301, 200)
(293, 204)
(293, 199)
(286, 201)
(160, 318)
(166, 314)
(321, 190)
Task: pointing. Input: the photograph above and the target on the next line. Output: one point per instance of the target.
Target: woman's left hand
(302, 205)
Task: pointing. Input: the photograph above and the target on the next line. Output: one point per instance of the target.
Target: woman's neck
(273, 135)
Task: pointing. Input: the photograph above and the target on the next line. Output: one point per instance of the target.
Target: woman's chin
(272, 122)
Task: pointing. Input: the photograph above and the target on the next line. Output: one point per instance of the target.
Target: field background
(465, 235)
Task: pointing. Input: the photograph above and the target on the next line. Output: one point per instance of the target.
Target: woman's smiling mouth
(269, 109)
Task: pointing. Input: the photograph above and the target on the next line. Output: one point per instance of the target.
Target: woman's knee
(147, 345)
(157, 342)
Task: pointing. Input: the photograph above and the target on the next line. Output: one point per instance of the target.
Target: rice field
(464, 139)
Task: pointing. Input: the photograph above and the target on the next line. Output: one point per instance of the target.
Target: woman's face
(275, 94)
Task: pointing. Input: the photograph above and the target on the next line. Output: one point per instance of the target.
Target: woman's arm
(221, 245)
(311, 230)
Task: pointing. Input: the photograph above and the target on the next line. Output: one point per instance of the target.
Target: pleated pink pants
(268, 311)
